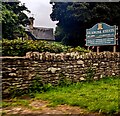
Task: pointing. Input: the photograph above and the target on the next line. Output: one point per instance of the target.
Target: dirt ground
(41, 108)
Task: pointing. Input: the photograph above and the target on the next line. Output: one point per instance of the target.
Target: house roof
(41, 33)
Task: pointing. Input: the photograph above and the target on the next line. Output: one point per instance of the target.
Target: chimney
(31, 19)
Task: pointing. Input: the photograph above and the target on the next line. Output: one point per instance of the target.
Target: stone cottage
(39, 33)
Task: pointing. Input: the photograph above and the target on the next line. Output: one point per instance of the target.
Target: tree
(75, 18)
(13, 19)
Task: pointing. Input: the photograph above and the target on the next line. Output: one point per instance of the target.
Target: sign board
(101, 34)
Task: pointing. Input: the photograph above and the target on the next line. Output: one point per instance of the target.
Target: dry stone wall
(19, 72)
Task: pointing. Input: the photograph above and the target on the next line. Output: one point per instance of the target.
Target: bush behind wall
(19, 47)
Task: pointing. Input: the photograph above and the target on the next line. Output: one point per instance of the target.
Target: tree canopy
(74, 18)
(13, 18)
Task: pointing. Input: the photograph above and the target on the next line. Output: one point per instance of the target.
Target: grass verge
(95, 96)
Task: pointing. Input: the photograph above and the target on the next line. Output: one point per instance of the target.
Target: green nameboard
(101, 34)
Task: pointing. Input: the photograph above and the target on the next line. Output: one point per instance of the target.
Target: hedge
(19, 47)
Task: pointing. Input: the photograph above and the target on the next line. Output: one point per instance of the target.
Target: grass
(96, 96)
(15, 102)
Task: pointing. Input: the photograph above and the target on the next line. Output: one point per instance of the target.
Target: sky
(41, 10)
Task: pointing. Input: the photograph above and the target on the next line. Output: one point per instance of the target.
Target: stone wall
(19, 72)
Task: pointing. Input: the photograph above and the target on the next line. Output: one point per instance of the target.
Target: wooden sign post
(114, 48)
(98, 49)
(116, 39)
(88, 48)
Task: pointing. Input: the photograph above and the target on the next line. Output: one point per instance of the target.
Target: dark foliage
(13, 19)
(75, 18)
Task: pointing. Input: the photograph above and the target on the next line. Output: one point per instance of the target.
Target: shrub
(90, 74)
(63, 80)
(38, 86)
(18, 47)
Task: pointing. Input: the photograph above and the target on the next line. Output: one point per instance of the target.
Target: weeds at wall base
(37, 85)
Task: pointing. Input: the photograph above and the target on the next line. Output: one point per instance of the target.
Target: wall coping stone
(46, 56)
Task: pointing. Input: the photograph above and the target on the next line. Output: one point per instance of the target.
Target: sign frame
(101, 34)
